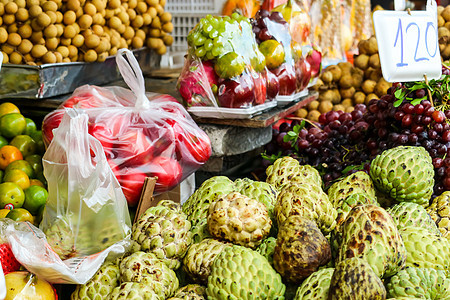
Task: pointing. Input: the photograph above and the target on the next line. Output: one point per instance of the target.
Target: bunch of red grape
(342, 143)
(265, 25)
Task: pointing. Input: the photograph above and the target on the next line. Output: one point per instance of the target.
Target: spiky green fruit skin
(100, 285)
(267, 248)
(425, 250)
(148, 269)
(409, 214)
(133, 291)
(163, 232)
(356, 183)
(300, 250)
(190, 292)
(239, 273)
(316, 286)
(308, 201)
(369, 233)
(263, 192)
(439, 211)
(239, 219)
(241, 182)
(197, 205)
(405, 173)
(199, 258)
(200, 231)
(353, 278)
(170, 204)
(287, 169)
(423, 283)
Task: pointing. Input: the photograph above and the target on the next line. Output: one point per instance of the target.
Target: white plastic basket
(185, 15)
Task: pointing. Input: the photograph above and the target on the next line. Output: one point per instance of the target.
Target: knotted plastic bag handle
(132, 75)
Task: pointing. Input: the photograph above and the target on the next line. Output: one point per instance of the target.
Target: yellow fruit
(26, 286)
(274, 53)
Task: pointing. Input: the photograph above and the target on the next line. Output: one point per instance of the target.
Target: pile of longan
(51, 31)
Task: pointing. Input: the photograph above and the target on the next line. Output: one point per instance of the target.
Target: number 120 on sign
(408, 45)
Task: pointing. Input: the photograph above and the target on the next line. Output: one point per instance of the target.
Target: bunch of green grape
(214, 36)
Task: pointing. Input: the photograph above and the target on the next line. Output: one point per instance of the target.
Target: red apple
(236, 92)
(132, 181)
(168, 171)
(303, 73)
(133, 148)
(260, 88)
(194, 150)
(102, 133)
(50, 122)
(314, 58)
(273, 85)
(286, 76)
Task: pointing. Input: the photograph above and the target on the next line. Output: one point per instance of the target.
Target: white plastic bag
(2, 284)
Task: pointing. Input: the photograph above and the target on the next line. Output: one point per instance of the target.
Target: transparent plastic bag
(143, 135)
(224, 67)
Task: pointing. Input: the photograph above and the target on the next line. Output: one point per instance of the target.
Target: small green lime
(35, 198)
(21, 165)
(30, 127)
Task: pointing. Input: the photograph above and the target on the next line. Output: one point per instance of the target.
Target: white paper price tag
(408, 44)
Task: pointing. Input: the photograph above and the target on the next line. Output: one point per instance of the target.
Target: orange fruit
(8, 108)
(11, 193)
(274, 53)
(35, 198)
(17, 176)
(8, 154)
(21, 165)
(12, 124)
(24, 143)
(20, 215)
(36, 182)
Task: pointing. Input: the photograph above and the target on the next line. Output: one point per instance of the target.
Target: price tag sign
(408, 44)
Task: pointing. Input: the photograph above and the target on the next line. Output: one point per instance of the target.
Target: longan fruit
(154, 43)
(35, 11)
(35, 26)
(66, 60)
(51, 31)
(152, 12)
(69, 17)
(301, 113)
(166, 17)
(53, 16)
(38, 51)
(129, 33)
(15, 58)
(97, 19)
(140, 33)
(85, 21)
(43, 20)
(13, 28)
(69, 31)
(25, 46)
(168, 27)
(123, 16)
(65, 41)
(109, 13)
(87, 33)
(2, 9)
(359, 98)
(73, 51)
(52, 43)
(115, 40)
(90, 9)
(5, 58)
(36, 36)
(90, 56)
(11, 8)
(162, 3)
(147, 19)
(129, 43)
(59, 17)
(3, 35)
(100, 4)
(132, 14)
(121, 28)
(21, 3)
(347, 102)
(103, 46)
(102, 56)
(123, 43)
(59, 29)
(113, 51)
(141, 7)
(124, 6)
(168, 40)
(78, 40)
(8, 49)
(132, 3)
(22, 15)
(138, 22)
(49, 58)
(325, 106)
(155, 32)
(152, 2)
(73, 5)
(98, 30)
(313, 105)
(50, 6)
(137, 42)
(113, 4)
(32, 2)
(14, 39)
(25, 31)
(114, 22)
(156, 23)
(63, 50)
(370, 97)
(159, 9)
(92, 41)
(9, 19)
(28, 58)
(79, 12)
(58, 56)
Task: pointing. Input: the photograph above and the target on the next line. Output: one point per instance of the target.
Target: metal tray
(49, 80)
